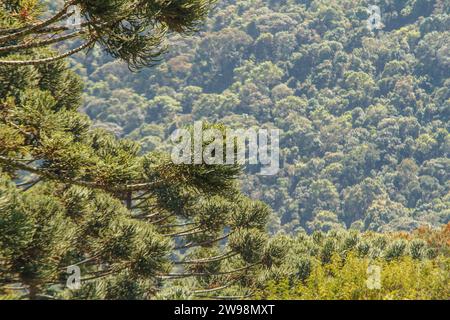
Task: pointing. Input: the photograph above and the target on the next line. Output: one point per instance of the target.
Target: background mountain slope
(364, 115)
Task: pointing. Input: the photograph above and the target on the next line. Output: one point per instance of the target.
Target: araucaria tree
(137, 226)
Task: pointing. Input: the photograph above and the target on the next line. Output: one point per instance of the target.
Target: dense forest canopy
(364, 114)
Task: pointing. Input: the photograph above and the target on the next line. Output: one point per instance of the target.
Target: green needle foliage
(136, 225)
(131, 30)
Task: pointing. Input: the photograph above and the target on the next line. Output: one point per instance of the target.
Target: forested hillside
(364, 115)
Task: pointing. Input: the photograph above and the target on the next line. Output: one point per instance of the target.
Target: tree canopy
(363, 114)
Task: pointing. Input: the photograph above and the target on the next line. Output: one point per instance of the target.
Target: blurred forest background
(364, 116)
